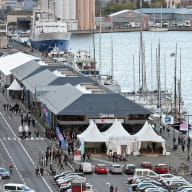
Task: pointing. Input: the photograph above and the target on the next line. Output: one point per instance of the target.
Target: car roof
(130, 165)
(146, 162)
(161, 164)
(100, 164)
(13, 184)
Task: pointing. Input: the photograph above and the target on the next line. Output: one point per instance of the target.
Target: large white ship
(48, 31)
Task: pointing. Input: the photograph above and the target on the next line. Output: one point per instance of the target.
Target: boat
(47, 33)
(61, 56)
(85, 63)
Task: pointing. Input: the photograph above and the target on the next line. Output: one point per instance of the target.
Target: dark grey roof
(25, 70)
(59, 98)
(73, 80)
(49, 67)
(94, 104)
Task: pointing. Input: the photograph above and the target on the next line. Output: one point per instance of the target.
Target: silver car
(115, 168)
(4, 173)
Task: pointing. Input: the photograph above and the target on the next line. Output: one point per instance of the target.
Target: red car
(161, 168)
(146, 165)
(101, 168)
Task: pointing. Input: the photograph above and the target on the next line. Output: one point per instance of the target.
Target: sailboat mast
(94, 60)
(180, 88)
(100, 64)
(175, 82)
(134, 75)
(112, 67)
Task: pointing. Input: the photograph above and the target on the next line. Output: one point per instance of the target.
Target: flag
(183, 126)
(168, 119)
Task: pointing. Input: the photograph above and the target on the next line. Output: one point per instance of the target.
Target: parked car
(4, 173)
(129, 168)
(147, 173)
(146, 165)
(161, 168)
(10, 187)
(115, 168)
(62, 174)
(101, 168)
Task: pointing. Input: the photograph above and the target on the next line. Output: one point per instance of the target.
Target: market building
(67, 99)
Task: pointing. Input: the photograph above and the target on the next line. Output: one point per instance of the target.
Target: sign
(184, 127)
(105, 121)
(168, 119)
(103, 115)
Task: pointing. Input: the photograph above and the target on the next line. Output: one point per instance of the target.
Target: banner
(61, 139)
(184, 127)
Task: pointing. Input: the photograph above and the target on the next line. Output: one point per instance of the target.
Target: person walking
(183, 147)
(11, 169)
(37, 171)
(111, 188)
(116, 189)
(41, 171)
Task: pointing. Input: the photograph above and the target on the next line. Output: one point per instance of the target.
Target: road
(16, 152)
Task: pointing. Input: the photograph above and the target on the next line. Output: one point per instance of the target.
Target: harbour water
(126, 47)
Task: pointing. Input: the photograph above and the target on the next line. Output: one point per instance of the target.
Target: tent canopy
(92, 134)
(116, 130)
(148, 134)
(15, 86)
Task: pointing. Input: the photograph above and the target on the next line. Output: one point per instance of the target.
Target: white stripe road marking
(5, 148)
(24, 151)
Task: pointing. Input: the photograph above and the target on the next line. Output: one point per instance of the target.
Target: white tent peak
(92, 134)
(15, 86)
(116, 130)
(148, 134)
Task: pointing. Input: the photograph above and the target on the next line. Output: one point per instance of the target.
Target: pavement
(174, 159)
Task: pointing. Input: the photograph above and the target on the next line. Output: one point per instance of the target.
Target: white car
(9, 187)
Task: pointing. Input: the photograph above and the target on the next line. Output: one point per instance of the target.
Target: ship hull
(47, 41)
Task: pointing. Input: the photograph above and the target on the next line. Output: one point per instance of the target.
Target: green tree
(114, 7)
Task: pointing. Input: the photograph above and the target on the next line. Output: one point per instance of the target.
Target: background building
(86, 14)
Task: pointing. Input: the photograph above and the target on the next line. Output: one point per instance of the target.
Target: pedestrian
(41, 171)
(33, 122)
(4, 107)
(65, 159)
(113, 157)
(116, 189)
(37, 171)
(111, 188)
(11, 169)
(183, 147)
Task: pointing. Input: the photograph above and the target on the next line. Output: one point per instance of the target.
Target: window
(10, 187)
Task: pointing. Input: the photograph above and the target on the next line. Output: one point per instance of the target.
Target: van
(15, 187)
(87, 167)
(146, 172)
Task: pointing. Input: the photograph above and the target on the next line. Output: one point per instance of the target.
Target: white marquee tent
(119, 140)
(147, 136)
(91, 138)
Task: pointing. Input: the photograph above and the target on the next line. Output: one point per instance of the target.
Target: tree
(115, 7)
